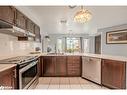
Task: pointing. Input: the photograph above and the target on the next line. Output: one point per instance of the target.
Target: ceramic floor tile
(55, 81)
(53, 87)
(75, 87)
(86, 86)
(44, 80)
(105, 88)
(74, 81)
(64, 81)
(83, 81)
(64, 86)
(42, 86)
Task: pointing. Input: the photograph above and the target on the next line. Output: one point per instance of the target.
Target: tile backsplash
(10, 46)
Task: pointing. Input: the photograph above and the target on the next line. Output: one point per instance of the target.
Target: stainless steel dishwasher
(91, 69)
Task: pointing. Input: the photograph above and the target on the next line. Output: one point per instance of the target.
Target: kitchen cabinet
(54, 66)
(91, 69)
(113, 74)
(37, 33)
(73, 66)
(7, 14)
(30, 26)
(8, 78)
(20, 20)
(60, 66)
(40, 65)
(48, 66)
(10, 16)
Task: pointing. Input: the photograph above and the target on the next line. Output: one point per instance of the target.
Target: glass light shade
(82, 16)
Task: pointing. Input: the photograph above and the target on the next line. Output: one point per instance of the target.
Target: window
(59, 45)
(86, 45)
(73, 45)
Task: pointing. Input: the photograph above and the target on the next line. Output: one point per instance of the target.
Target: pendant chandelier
(82, 16)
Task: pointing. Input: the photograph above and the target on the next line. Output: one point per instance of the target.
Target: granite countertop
(102, 56)
(118, 58)
(4, 67)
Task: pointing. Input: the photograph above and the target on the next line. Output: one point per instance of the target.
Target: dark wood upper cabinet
(74, 66)
(61, 66)
(20, 20)
(37, 33)
(30, 26)
(7, 14)
(10, 16)
(8, 78)
(113, 74)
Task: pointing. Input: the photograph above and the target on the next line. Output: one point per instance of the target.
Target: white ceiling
(48, 17)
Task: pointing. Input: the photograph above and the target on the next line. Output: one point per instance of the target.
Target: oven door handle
(28, 66)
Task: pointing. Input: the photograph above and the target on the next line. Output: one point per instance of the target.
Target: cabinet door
(60, 66)
(49, 66)
(30, 26)
(7, 14)
(20, 20)
(113, 74)
(40, 64)
(37, 33)
(8, 78)
(74, 66)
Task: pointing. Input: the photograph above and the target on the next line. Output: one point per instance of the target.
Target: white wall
(54, 37)
(113, 49)
(10, 46)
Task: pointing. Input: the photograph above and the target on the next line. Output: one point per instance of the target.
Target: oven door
(27, 75)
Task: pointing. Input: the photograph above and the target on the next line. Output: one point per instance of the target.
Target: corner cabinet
(8, 79)
(113, 74)
(7, 14)
(48, 66)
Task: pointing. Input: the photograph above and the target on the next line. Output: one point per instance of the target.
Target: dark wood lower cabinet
(8, 78)
(40, 65)
(48, 66)
(113, 74)
(74, 66)
(61, 66)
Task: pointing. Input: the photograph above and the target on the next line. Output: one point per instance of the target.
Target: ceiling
(49, 17)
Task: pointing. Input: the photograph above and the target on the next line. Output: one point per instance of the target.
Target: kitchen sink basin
(55, 54)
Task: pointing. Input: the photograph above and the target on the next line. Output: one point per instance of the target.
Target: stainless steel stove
(18, 60)
(26, 70)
